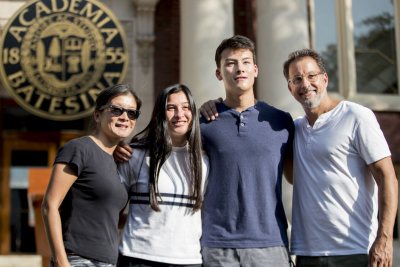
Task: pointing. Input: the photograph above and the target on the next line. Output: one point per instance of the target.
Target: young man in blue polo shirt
(244, 223)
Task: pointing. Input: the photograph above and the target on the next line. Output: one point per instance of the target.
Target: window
(375, 46)
(325, 41)
(358, 40)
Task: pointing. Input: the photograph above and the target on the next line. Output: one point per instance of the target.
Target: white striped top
(172, 235)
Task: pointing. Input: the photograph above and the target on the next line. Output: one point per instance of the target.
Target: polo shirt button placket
(242, 120)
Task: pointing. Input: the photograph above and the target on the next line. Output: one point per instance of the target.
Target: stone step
(20, 261)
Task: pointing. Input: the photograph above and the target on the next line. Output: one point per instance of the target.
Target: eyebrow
(175, 104)
(308, 73)
(240, 59)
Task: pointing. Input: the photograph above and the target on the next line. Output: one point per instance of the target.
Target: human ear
(218, 74)
(96, 116)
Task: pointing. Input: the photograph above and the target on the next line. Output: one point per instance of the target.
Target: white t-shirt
(335, 204)
(172, 235)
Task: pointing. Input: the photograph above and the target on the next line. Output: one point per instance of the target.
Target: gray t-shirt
(90, 210)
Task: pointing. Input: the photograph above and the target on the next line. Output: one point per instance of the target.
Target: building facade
(172, 41)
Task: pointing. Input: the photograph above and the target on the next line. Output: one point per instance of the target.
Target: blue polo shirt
(243, 201)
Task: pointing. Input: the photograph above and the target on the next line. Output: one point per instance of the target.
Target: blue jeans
(247, 257)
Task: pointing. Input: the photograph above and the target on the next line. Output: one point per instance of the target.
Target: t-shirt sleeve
(125, 172)
(73, 154)
(205, 169)
(128, 171)
(370, 141)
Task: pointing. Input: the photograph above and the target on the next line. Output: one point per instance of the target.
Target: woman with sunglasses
(85, 195)
(165, 177)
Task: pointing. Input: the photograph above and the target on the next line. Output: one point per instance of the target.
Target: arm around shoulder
(123, 152)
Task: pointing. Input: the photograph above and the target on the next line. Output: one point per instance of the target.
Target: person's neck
(325, 106)
(179, 142)
(240, 102)
(104, 143)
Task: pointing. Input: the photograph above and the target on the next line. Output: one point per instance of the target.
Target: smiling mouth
(179, 123)
(122, 126)
(308, 92)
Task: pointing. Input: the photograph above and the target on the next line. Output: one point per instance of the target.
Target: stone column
(143, 57)
(282, 27)
(204, 24)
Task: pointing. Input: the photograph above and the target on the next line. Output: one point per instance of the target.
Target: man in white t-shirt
(343, 175)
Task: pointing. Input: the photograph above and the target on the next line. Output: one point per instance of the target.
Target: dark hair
(156, 138)
(298, 54)
(111, 92)
(235, 42)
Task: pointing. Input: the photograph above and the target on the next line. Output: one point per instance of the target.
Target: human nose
(178, 112)
(240, 67)
(124, 115)
(304, 82)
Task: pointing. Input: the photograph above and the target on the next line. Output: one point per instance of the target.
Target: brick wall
(390, 124)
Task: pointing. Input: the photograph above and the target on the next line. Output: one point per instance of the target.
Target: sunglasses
(116, 111)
